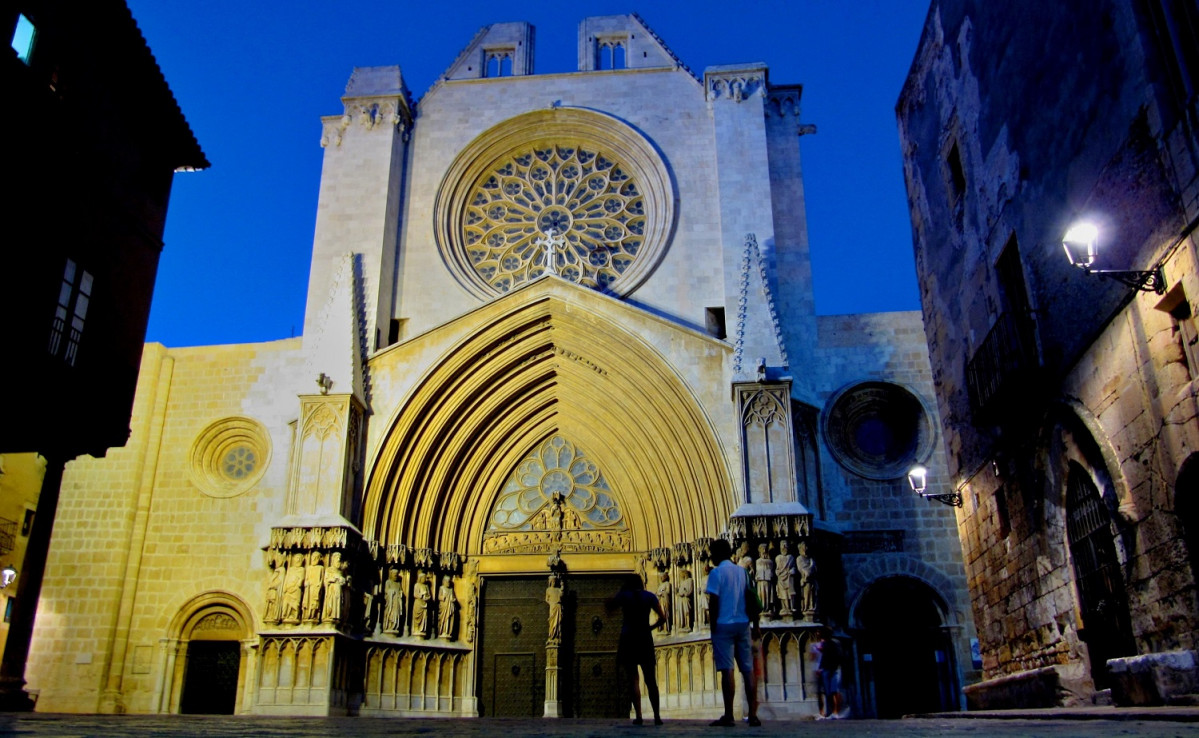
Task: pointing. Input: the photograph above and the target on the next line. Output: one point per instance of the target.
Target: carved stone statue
(806, 567)
(393, 604)
(665, 596)
(686, 601)
(784, 572)
(446, 607)
(744, 560)
(470, 607)
(293, 588)
(335, 579)
(314, 578)
(420, 606)
(274, 590)
(553, 597)
(765, 572)
(704, 600)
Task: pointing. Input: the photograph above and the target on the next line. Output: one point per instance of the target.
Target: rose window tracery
(573, 192)
(556, 488)
(239, 462)
(573, 210)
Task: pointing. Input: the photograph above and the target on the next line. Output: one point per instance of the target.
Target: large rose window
(572, 210)
(568, 192)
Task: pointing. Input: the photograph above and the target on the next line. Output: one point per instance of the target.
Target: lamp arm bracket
(953, 499)
(1153, 280)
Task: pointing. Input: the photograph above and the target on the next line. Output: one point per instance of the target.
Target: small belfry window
(611, 54)
(498, 63)
(66, 330)
(23, 37)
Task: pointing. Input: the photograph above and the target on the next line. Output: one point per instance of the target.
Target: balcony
(1003, 370)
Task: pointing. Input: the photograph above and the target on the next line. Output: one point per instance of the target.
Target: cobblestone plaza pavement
(143, 726)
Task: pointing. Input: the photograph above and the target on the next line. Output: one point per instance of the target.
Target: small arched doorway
(905, 654)
(208, 666)
(1106, 623)
(1186, 507)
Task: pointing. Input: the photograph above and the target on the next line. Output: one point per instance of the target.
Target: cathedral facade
(560, 329)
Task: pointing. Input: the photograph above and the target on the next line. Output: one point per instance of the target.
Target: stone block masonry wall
(890, 347)
(136, 538)
(1108, 392)
(1135, 381)
(1019, 582)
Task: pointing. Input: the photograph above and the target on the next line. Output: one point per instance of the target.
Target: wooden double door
(514, 620)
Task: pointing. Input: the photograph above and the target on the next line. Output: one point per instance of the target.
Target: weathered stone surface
(1049, 380)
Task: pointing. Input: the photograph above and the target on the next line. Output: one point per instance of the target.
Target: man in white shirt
(727, 585)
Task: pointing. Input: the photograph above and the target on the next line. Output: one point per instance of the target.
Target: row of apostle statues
(432, 615)
(314, 587)
(786, 585)
(323, 578)
(305, 587)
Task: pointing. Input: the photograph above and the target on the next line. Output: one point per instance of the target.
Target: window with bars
(1103, 599)
(74, 295)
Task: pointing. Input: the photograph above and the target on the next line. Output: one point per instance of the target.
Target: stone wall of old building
(158, 523)
(1061, 390)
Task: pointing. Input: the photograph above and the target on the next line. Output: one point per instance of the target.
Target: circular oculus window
(570, 192)
(878, 430)
(229, 457)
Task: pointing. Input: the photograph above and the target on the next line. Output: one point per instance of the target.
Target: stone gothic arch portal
(905, 650)
(207, 659)
(548, 367)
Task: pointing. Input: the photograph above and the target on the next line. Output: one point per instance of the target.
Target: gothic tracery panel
(572, 210)
(556, 497)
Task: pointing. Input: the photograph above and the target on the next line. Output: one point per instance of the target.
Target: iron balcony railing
(1002, 362)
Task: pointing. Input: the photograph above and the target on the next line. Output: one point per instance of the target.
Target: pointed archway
(548, 366)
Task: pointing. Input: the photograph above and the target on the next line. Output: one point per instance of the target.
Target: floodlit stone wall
(1048, 379)
(137, 537)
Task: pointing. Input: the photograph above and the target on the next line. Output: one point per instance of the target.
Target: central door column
(553, 598)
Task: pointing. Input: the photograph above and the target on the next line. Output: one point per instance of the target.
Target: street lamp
(1080, 243)
(7, 576)
(918, 478)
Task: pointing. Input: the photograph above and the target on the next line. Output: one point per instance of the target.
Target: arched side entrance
(208, 659)
(1103, 601)
(1186, 507)
(905, 652)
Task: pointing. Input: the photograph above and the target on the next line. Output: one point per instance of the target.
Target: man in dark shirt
(828, 667)
(636, 646)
